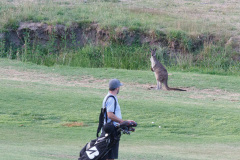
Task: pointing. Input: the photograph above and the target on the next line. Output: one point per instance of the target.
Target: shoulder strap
(102, 113)
(115, 105)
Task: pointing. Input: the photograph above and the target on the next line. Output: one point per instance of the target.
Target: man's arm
(113, 117)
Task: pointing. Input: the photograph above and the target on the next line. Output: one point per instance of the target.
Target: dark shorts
(113, 153)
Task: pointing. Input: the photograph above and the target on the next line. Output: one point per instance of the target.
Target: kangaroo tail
(175, 89)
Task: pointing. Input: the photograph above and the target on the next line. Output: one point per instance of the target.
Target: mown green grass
(36, 101)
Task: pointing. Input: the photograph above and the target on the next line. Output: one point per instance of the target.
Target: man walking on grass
(113, 113)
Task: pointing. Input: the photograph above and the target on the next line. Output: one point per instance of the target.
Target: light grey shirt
(110, 105)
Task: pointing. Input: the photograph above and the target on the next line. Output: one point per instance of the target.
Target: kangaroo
(161, 73)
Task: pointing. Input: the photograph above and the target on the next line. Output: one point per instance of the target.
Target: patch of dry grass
(218, 16)
(74, 124)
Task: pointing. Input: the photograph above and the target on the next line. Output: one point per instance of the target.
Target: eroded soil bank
(78, 35)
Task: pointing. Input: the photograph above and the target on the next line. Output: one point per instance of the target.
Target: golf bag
(98, 148)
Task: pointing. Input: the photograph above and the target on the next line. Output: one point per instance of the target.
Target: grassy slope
(36, 101)
(192, 16)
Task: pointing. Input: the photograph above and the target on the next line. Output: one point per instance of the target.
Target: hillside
(191, 16)
(190, 35)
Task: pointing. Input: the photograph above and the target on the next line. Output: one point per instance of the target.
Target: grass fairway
(50, 113)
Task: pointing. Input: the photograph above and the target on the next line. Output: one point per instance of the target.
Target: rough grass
(193, 16)
(37, 101)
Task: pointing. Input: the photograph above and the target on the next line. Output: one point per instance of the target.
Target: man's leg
(113, 153)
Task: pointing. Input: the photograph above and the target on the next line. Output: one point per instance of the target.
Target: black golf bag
(98, 148)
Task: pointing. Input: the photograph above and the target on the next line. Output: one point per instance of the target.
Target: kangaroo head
(153, 52)
(153, 57)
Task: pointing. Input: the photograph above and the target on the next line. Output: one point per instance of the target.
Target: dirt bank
(78, 35)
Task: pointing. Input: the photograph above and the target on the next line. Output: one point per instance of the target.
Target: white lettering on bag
(92, 152)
